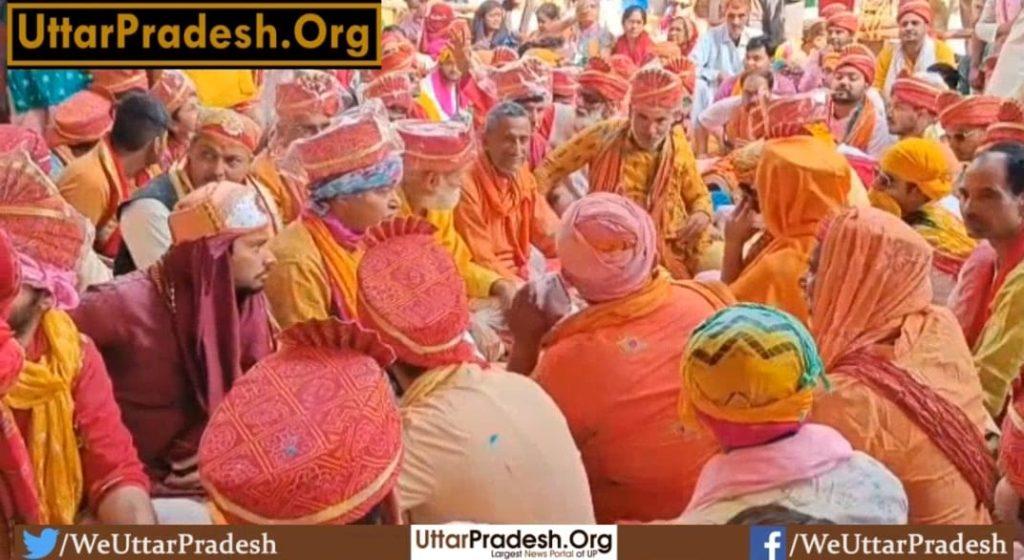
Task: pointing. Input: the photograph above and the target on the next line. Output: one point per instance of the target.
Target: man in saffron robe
(800, 181)
(855, 119)
(178, 94)
(917, 48)
(914, 107)
(176, 336)
(648, 159)
(221, 150)
(304, 106)
(916, 175)
(904, 386)
(613, 368)
(990, 295)
(502, 215)
(452, 401)
(81, 456)
(527, 82)
(77, 124)
(965, 119)
(351, 171)
(98, 182)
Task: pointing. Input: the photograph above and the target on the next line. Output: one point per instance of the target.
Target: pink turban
(607, 245)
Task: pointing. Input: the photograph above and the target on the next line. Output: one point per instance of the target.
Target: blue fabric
(39, 89)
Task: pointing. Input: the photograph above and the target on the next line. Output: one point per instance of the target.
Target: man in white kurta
(719, 53)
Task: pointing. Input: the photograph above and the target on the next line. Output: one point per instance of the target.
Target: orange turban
(312, 91)
(173, 89)
(667, 51)
(859, 58)
(397, 55)
(918, 93)
(395, 90)
(832, 9)
(600, 79)
(919, 8)
(85, 117)
(830, 60)
(971, 111)
(116, 82)
(503, 56)
(217, 209)
(565, 81)
(657, 88)
(1009, 127)
(622, 65)
(844, 20)
(523, 79)
(792, 115)
(230, 126)
(686, 70)
(442, 147)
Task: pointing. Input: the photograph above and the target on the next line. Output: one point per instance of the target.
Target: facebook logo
(767, 542)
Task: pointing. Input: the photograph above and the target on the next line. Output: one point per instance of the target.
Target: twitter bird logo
(41, 546)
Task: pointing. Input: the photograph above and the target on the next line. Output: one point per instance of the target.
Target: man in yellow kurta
(96, 183)
(436, 156)
(352, 171)
(304, 106)
(915, 51)
(647, 159)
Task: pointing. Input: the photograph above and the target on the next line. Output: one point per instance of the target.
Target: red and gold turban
(40, 223)
(686, 70)
(227, 126)
(523, 79)
(311, 435)
(360, 137)
(843, 20)
(861, 59)
(565, 81)
(85, 117)
(503, 56)
(1009, 127)
(312, 91)
(173, 89)
(974, 111)
(831, 9)
(794, 115)
(395, 90)
(116, 82)
(440, 147)
(919, 8)
(14, 137)
(623, 65)
(411, 293)
(217, 209)
(918, 93)
(656, 88)
(600, 79)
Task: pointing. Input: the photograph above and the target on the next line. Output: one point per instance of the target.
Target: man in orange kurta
(96, 183)
(304, 107)
(502, 216)
(613, 368)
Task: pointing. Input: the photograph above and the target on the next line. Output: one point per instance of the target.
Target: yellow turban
(923, 162)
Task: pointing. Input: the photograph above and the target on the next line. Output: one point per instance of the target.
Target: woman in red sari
(635, 42)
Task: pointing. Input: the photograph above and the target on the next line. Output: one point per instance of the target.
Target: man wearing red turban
(965, 118)
(914, 107)
(855, 119)
(648, 159)
(917, 49)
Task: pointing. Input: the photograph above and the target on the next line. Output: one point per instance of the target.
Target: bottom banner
(473, 542)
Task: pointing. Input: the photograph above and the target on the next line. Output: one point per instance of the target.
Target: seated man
(297, 406)
(737, 120)
(916, 50)
(79, 453)
(481, 444)
(648, 159)
(527, 82)
(502, 215)
(613, 368)
(914, 107)
(351, 173)
(856, 119)
(304, 106)
(965, 119)
(917, 174)
(221, 150)
(177, 335)
(178, 94)
(396, 91)
(99, 181)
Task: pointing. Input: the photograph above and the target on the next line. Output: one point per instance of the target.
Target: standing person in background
(440, 18)
(916, 49)
(590, 37)
(635, 42)
(719, 52)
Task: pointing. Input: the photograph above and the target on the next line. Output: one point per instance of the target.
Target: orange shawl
(290, 201)
(675, 164)
(861, 127)
(800, 182)
(873, 290)
(340, 266)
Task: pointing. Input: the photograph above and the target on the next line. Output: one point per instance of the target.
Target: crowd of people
(526, 272)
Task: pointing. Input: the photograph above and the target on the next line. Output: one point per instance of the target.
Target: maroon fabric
(944, 423)
(170, 338)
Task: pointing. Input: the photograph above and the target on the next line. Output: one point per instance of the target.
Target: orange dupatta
(339, 264)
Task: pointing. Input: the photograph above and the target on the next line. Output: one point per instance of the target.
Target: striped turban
(917, 92)
(861, 59)
(599, 78)
(973, 111)
(1009, 127)
(656, 88)
(919, 8)
(844, 20)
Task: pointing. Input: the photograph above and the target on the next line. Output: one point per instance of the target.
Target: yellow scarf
(428, 382)
(44, 389)
(340, 265)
